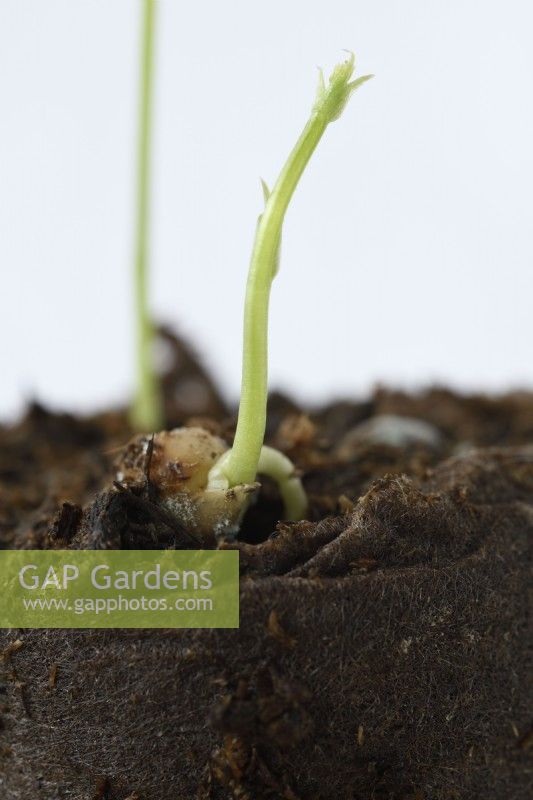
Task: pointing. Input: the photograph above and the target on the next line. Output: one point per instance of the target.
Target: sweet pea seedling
(146, 411)
(248, 456)
(204, 484)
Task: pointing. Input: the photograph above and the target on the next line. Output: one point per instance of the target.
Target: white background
(408, 250)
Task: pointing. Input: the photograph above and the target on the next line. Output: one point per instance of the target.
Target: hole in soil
(261, 519)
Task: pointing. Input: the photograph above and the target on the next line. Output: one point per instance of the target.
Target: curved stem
(241, 465)
(277, 466)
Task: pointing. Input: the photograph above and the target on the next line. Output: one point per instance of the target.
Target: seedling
(248, 456)
(146, 411)
(205, 484)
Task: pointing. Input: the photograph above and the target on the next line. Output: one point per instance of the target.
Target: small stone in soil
(390, 430)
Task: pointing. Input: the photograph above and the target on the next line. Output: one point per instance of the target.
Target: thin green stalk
(242, 462)
(146, 411)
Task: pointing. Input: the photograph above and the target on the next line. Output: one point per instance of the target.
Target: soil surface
(385, 643)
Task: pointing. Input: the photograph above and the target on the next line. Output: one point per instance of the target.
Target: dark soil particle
(385, 644)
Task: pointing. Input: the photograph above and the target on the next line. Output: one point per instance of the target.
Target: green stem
(242, 462)
(146, 412)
